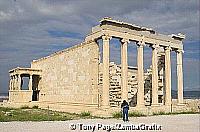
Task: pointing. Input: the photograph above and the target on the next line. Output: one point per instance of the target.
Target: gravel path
(173, 123)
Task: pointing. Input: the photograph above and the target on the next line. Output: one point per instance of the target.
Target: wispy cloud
(33, 29)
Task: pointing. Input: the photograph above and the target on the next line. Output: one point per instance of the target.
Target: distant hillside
(3, 96)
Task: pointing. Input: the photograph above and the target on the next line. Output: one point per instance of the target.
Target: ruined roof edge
(109, 19)
(179, 36)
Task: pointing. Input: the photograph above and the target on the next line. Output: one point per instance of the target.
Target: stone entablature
(20, 70)
(135, 33)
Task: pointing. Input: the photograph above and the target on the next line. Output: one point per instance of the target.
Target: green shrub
(160, 113)
(35, 107)
(25, 107)
(117, 115)
(85, 113)
(184, 112)
(29, 114)
(6, 108)
(135, 114)
(174, 113)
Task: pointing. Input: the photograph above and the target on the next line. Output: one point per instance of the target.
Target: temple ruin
(75, 79)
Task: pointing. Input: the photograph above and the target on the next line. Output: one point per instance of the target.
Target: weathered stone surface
(70, 75)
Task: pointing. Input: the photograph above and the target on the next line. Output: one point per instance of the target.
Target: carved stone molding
(155, 46)
(124, 40)
(180, 51)
(140, 43)
(106, 37)
(168, 48)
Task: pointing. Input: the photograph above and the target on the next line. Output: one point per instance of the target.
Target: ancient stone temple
(74, 79)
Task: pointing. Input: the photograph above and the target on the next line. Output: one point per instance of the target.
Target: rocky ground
(174, 123)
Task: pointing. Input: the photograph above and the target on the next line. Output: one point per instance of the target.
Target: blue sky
(31, 29)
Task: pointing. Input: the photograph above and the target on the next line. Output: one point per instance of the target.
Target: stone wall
(115, 83)
(70, 75)
(190, 105)
(20, 96)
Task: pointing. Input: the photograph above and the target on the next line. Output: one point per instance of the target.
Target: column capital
(179, 51)
(125, 40)
(168, 48)
(155, 46)
(106, 37)
(140, 43)
(31, 74)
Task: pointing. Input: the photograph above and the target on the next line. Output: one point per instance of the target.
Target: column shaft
(140, 78)
(106, 78)
(124, 69)
(180, 77)
(155, 75)
(167, 76)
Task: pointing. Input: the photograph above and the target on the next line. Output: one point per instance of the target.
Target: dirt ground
(173, 123)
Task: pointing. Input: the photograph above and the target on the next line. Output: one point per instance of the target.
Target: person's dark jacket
(124, 105)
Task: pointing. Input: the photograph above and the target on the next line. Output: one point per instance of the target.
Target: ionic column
(106, 79)
(30, 82)
(124, 69)
(155, 74)
(19, 82)
(167, 76)
(180, 76)
(140, 75)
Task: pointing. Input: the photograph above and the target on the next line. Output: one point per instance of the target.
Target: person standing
(125, 108)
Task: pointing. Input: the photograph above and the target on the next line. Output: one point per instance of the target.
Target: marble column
(167, 76)
(155, 74)
(180, 76)
(140, 75)
(124, 69)
(30, 82)
(106, 78)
